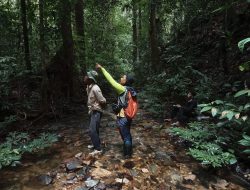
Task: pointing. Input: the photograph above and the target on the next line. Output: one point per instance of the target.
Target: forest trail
(156, 163)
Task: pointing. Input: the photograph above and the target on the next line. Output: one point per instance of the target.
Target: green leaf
(231, 105)
(231, 150)
(202, 105)
(241, 68)
(247, 151)
(244, 118)
(227, 85)
(244, 142)
(242, 92)
(16, 151)
(232, 161)
(206, 109)
(246, 106)
(246, 137)
(230, 115)
(244, 66)
(218, 102)
(220, 9)
(242, 43)
(241, 108)
(214, 111)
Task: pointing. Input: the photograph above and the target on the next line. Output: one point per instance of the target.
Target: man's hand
(98, 66)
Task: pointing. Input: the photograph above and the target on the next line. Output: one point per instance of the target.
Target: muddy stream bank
(156, 163)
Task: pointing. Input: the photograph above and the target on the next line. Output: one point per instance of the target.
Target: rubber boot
(127, 151)
(124, 150)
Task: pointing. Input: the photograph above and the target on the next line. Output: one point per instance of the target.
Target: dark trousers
(124, 128)
(94, 125)
(179, 114)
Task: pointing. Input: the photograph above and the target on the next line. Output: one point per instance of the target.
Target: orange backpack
(128, 102)
(132, 106)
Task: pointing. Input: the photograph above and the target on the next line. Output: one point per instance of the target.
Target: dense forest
(170, 47)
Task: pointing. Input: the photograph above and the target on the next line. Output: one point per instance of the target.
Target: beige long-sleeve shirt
(95, 97)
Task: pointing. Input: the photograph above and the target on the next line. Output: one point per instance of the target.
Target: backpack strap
(123, 99)
(89, 89)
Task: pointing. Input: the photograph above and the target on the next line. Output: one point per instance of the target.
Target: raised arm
(117, 86)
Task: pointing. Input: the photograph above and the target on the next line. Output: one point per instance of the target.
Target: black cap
(129, 80)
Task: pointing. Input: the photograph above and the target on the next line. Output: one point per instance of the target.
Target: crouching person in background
(182, 114)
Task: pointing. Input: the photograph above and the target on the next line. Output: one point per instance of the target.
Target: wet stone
(82, 172)
(45, 179)
(16, 163)
(100, 186)
(153, 168)
(100, 172)
(176, 178)
(165, 131)
(134, 173)
(164, 158)
(115, 186)
(191, 177)
(122, 180)
(161, 155)
(221, 184)
(91, 183)
(70, 182)
(73, 165)
(157, 127)
(78, 155)
(145, 170)
(147, 126)
(81, 188)
(71, 176)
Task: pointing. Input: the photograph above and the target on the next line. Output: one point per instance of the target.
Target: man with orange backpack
(125, 108)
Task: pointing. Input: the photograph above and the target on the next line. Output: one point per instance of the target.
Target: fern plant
(207, 141)
(18, 143)
(246, 142)
(212, 154)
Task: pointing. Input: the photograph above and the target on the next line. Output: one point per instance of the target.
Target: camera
(116, 108)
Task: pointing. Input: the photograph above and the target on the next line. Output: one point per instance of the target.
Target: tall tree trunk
(139, 33)
(79, 20)
(68, 52)
(29, 19)
(80, 43)
(224, 46)
(25, 35)
(135, 32)
(155, 59)
(44, 86)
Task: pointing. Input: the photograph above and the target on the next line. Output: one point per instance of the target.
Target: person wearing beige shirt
(95, 103)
